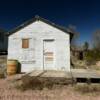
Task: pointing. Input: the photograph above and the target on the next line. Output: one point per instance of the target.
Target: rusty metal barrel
(12, 67)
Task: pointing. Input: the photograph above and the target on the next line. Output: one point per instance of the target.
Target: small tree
(86, 46)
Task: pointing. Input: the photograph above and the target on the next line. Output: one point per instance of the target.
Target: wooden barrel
(11, 67)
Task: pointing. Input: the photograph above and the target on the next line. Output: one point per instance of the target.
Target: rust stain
(49, 53)
(49, 58)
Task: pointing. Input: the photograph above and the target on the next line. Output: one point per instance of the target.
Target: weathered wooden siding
(32, 58)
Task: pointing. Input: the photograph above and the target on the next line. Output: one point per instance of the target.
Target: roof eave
(37, 18)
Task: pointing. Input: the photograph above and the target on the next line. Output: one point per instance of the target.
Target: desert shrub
(3, 66)
(2, 73)
(92, 56)
(87, 88)
(39, 83)
(79, 64)
(33, 83)
(30, 83)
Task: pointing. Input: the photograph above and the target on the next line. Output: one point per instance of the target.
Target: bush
(2, 73)
(33, 83)
(87, 88)
(92, 56)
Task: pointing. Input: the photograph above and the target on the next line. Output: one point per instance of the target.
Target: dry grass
(81, 64)
(38, 83)
(2, 73)
(3, 60)
(41, 89)
(58, 92)
(84, 88)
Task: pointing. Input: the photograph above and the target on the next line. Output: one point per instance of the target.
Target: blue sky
(84, 14)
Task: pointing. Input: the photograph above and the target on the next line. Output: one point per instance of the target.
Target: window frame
(26, 41)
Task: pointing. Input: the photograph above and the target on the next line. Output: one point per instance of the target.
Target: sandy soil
(7, 92)
(56, 93)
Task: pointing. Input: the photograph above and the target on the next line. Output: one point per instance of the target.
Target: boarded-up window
(25, 43)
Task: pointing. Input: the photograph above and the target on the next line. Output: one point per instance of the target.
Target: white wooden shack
(39, 44)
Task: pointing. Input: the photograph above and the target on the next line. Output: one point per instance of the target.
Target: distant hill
(3, 40)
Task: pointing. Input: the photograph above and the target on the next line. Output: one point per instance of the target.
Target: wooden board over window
(25, 43)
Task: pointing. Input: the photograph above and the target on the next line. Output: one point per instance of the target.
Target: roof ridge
(37, 18)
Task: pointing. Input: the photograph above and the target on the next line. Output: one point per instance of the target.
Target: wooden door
(49, 54)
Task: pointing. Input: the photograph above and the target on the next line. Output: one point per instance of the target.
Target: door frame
(43, 50)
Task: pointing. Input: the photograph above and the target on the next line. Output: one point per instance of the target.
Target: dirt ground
(7, 92)
(65, 92)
